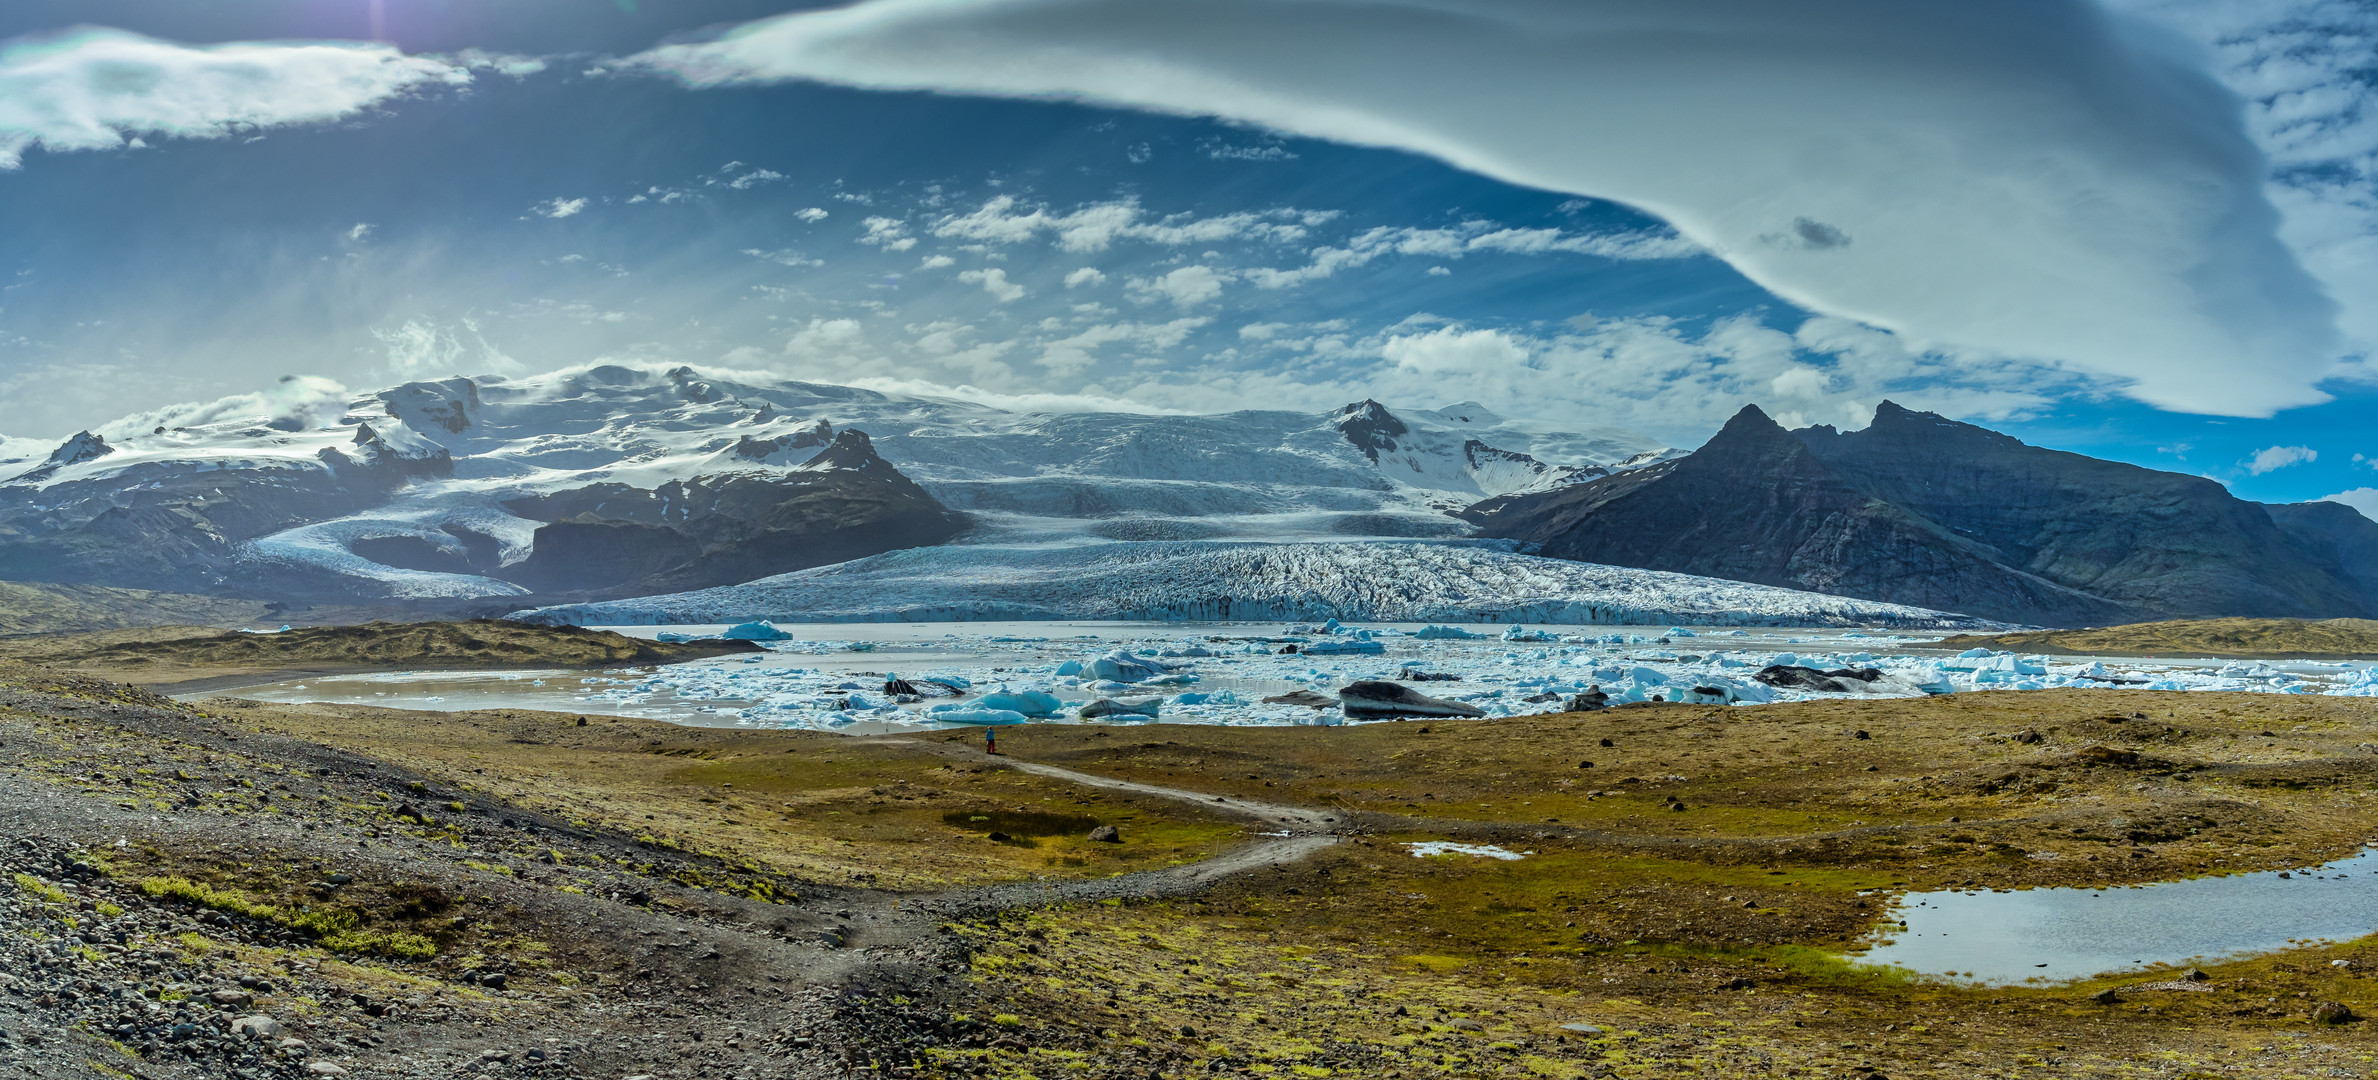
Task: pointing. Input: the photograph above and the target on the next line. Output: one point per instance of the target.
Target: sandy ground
(687, 902)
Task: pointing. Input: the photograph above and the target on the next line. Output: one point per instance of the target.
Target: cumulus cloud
(890, 234)
(2036, 178)
(936, 262)
(2362, 499)
(103, 89)
(2273, 458)
(1186, 287)
(811, 214)
(994, 281)
(560, 208)
(1088, 275)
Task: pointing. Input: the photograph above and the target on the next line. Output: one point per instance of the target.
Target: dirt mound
(182, 651)
(2309, 639)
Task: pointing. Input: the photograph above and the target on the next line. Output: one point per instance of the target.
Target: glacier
(1371, 581)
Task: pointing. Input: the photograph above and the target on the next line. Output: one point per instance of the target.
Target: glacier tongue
(1372, 581)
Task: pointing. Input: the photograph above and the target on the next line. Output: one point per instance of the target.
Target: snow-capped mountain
(443, 488)
(1376, 580)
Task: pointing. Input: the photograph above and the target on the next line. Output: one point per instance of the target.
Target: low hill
(189, 654)
(2306, 639)
(28, 608)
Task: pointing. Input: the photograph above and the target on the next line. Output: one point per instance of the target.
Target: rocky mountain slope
(1919, 509)
(615, 481)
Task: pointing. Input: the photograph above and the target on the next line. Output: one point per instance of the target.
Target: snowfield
(1373, 581)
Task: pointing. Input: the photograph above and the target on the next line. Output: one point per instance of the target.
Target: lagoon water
(830, 677)
(2057, 935)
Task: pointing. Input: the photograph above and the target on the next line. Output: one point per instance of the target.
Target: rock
(1107, 834)
(1416, 675)
(2196, 975)
(324, 1068)
(1466, 1024)
(238, 998)
(2105, 755)
(2106, 997)
(1306, 698)
(1373, 700)
(1540, 699)
(258, 1027)
(1112, 707)
(2330, 1012)
(1582, 1029)
(2340, 963)
(494, 980)
(2027, 736)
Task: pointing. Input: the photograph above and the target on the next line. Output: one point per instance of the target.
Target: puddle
(2057, 935)
(1484, 851)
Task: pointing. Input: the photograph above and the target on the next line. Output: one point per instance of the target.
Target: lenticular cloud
(95, 89)
(2030, 178)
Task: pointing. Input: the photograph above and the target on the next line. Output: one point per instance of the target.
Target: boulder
(1374, 700)
(1592, 700)
(2330, 1012)
(1112, 707)
(258, 1027)
(1107, 834)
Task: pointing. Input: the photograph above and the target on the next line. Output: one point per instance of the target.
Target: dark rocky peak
(773, 450)
(1370, 427)
(851, 450)
(1897, 429)
(447, 406)
(691, 387)
(84, 446)
(1750, 441)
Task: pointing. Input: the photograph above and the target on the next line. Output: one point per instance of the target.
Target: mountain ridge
(1920, 509)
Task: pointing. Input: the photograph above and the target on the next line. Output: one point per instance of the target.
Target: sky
(2138, 229)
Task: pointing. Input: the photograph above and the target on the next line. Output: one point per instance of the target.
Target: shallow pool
(2056, 935)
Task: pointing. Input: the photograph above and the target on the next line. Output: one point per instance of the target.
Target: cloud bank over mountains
(2033, 178)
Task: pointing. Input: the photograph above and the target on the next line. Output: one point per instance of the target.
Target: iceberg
(1032, 703)
(1434, 632)
(1345, 648)
(762, 630)
(973, 713)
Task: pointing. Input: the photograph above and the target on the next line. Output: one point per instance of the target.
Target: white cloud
(97, 89)
(994, 281)
(827, 342)
(420, 349)
(936, 262)
(1887, 163)
(1186, 287)
(1088, 275)
(2272, 458)
(296, 402)
(1095, 226)
(755, 178)
(784, 257)
(2362, 499)
(361, 232)
(890, 234)
(812, 214)
(516, 66)
(1449, 351)
(560, 208)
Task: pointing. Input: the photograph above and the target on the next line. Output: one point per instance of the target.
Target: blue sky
(515, 185)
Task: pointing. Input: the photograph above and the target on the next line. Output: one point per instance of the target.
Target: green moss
(40, 890)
